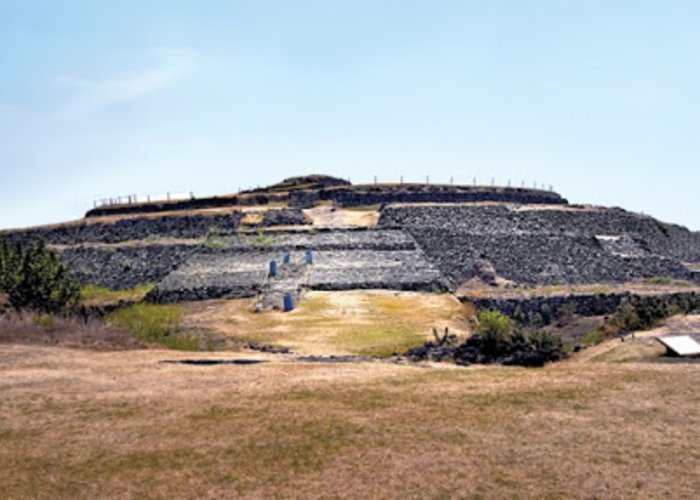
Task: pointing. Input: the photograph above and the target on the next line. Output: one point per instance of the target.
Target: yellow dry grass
(475, 289)
(92, 295)
(80, 424)
(355, 322)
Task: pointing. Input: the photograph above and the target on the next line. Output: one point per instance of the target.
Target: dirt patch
(574, 331)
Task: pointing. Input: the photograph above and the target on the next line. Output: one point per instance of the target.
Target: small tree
(34, 278)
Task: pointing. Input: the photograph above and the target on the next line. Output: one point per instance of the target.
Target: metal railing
(133, 199)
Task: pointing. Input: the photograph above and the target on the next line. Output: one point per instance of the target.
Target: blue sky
(600, 99)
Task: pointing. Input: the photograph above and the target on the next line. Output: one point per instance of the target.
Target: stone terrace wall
(666, 239)
(190, 226)
(544, 246)
(124, 267)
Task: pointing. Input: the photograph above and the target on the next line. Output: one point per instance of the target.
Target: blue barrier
(309, 257)
(273, 269)
(285, 258)
(288, 302)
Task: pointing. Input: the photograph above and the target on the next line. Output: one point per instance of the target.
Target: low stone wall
(124, 267)
(583, 305)
(139, 228)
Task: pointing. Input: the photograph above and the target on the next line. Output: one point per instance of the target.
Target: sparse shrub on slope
(643, 313)
(33, 277)
(497, 340)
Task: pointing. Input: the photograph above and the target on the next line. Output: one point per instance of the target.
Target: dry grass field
(611, 422)
(85, 424)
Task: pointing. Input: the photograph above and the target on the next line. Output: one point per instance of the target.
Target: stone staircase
(291, 278)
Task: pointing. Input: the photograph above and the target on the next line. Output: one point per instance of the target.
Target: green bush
(546, 342)
(495, 329)
(642, 313)
(498, 338)
(33, 277)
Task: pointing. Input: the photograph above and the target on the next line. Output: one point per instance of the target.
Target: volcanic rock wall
(352, 196)
(137, 228)
(581, 304)
(545, 245)
(124, 267)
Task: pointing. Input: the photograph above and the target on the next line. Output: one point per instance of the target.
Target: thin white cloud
(89, 96)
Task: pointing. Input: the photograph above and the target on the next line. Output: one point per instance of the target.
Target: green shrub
(495, 330)
(33, 277)
(642, 313)
(498, 339)
(546, 342)
(154, 323)
(494, 324)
